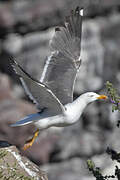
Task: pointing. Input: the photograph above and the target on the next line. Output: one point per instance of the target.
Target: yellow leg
(31, 141)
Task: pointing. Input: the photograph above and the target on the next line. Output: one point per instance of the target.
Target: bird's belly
(57, 121)
(62, 124)
(64, 121)
(42, 123)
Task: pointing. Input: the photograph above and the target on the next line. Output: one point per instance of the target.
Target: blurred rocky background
(26, 26)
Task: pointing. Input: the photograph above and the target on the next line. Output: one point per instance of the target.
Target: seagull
(53, 93)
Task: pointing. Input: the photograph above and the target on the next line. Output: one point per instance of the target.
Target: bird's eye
(91, 95)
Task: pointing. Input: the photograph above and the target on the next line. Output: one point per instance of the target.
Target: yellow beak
(102, 97)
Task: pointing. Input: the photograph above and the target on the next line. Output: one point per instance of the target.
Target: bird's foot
(31, 141)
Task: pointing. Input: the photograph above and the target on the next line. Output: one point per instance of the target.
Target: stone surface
(73, 169)
(30, 15)
(5, 89)
(14, 166)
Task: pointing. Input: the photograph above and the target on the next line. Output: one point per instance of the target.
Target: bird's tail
(27, 120)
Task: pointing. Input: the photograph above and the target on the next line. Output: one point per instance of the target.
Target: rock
(5, 87)
(14, 166)
(12, 43)
(106, 164)
(73, 169)
(6, 16)
(25, 16)
(110, 40)
(76, 142)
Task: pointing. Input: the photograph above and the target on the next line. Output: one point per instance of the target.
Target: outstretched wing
(38, 92)
(61, 67)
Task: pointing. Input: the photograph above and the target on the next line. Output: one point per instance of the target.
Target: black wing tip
(13, 64)
(78, 10)
(12, 125)
(75, 12)
(13, 61)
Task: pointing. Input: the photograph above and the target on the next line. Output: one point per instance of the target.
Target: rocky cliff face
(14, 166)
(62, 152)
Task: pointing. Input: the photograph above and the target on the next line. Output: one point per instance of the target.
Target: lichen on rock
(14, 166)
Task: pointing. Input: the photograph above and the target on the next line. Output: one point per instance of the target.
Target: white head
(91, 96)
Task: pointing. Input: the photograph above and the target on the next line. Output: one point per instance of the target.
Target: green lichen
(10, 173)
(113, 96)
(3, 153)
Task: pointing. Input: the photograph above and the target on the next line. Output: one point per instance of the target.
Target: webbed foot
(31, 141)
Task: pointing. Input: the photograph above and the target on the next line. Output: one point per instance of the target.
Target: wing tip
(21, 123)
(79, 10)
(15, 125)
(13, 61)
(14, 64)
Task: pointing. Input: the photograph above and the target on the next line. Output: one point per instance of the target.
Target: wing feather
(38, 92)
(62, 65)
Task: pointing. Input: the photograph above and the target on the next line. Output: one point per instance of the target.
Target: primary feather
(38, 92)
(62, 65)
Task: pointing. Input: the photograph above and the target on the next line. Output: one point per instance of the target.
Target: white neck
(80, 103)
(76, 108)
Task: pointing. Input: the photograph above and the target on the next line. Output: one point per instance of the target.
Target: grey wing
(38, 92)
(62, 65)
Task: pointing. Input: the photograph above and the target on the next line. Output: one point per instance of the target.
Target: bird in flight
(53, 93)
